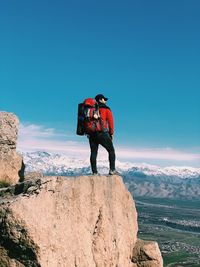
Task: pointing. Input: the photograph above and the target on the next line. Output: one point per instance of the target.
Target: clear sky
(143, 55)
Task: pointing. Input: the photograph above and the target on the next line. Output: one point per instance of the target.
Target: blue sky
(143, 55)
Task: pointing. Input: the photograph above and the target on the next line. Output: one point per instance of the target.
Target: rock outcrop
(146, 254)
(11, 163)
(86, 221)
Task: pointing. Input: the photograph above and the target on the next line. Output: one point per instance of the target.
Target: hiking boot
(114, 172)
(96, 173)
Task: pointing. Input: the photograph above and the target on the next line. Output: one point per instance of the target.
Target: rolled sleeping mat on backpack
(80, 121)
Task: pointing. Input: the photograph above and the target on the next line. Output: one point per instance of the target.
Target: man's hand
(112, 136)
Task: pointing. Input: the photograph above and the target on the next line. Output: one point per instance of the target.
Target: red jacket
(107, 118)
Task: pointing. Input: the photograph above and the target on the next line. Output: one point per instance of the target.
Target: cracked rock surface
(86, 221)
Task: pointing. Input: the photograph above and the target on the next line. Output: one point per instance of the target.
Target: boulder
(146, 254)
(11, 163)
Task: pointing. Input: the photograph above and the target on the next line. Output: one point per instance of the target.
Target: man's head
(101, 98)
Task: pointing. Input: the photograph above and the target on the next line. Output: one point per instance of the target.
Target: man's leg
(105, 140)
(94, 150)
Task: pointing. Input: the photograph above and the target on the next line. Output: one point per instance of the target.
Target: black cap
(100, 96)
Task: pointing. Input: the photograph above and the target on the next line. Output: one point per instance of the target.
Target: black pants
(104, 139)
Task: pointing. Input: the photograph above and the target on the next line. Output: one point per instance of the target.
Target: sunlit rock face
(11, 164)
(85, 221)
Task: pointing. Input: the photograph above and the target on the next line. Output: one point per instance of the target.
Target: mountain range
(175, 182)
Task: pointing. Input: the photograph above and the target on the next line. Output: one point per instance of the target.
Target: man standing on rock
(103, 137)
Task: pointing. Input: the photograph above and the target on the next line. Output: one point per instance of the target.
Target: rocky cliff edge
(86, 221)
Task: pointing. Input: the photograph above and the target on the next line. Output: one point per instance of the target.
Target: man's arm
(110, 122)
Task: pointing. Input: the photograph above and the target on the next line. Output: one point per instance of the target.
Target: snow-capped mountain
(56, 164)
(141, 179)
